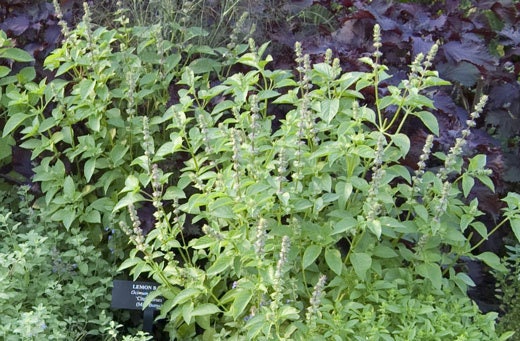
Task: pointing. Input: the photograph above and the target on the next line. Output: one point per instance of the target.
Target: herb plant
(311, 229)
(268, 203)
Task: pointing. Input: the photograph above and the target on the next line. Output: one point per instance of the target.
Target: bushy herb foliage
(508, 291)
(479, 54)
(304, 226)
(55, 284)
(277, 233)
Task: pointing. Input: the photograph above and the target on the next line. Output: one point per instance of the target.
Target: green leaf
(221, 264)
(429, 120)
(344, 190)
(13, 122)
(383, 251)
(333, 260)
(16, 54)
(85, 88)
(26, 75)
(309, 256)
(361, 262)
(486, 180)
(242, 299)
(205, 309)
(129, 198)
(83, 268)
(328, 109)
(68, 187)
(375, 227)
(65, 215)
(205, 65)
(129, 263)
(4, 71)
(170, 147)
(467, 184)
(402, 142)
(222, 208)
(88, 169)
(432, 272)
(515, 226)
(477, 162)
(492, 260)
(131, 184)
(188, 294)
(344, 225)
(92, 217)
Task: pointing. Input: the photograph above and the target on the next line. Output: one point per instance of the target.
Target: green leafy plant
(8, 55)
(507, 292)
(55, 284)
(302, 224)
(312, 229)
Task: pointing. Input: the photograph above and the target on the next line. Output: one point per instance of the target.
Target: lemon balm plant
(307, 228)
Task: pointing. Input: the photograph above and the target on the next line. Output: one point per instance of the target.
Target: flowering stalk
(277, 294)
(460, 142)
(315, 301)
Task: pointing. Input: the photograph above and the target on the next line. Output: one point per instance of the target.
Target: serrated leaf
(361, 262)
(309, 256)
(333, 260)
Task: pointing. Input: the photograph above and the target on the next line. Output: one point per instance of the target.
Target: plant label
(131, 295)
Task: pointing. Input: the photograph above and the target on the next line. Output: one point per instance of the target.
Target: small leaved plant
(307, 227)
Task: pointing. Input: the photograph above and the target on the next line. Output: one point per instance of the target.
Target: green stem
(489, 234)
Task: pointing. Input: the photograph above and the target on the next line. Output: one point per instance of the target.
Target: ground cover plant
(268, 203)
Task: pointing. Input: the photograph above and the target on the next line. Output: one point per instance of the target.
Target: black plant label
(131, 295)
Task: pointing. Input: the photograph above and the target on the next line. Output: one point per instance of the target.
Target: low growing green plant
(55, 284)
(508, 289)
(310, 230)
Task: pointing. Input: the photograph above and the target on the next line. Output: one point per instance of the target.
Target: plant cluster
(508, 290)
(313, 228)
(55, 283)
(479, 54)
